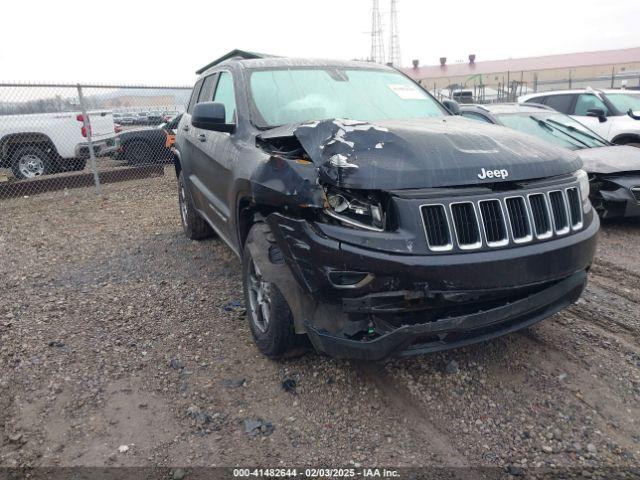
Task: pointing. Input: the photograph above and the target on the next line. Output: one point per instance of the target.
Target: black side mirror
(211, 116)
(452, 106)
(597, 112)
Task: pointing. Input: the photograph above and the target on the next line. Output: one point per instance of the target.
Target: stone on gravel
(233, 382)
(176, 364)
(514, 470)
(452, 367)
(258, 426)
(289, 385)
(178, 474)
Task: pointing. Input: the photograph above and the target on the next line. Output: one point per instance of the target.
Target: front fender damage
(273, 268)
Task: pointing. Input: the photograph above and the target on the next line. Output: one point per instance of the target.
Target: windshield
(555, 128)
(625, 101)
(299, 95)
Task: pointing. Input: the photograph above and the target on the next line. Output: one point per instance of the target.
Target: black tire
(276, 337)
(138, 152)
(193, 225)
(31, 162)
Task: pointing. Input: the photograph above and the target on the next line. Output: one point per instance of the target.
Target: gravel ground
(124, 344)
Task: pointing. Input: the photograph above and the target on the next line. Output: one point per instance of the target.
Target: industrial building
(504, 80)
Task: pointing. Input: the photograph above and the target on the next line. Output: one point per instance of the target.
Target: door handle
(202, 137)
(185, 128)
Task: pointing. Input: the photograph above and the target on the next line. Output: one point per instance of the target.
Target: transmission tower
(377, 43)
(394, 37)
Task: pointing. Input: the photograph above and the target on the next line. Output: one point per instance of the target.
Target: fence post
(87, 125)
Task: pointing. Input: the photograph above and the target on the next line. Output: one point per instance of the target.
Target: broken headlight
(583, 182)
(355, 209)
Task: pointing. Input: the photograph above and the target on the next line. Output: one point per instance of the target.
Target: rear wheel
(193, 225)
(269, 315)
(31, 162)
(138, 153)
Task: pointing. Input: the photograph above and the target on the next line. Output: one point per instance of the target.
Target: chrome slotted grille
(518, 219)
(498, 222)
(465, 225)
(493, 222)
(436, 227)
(540, 213)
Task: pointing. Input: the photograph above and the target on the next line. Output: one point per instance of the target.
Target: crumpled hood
(613, 159)
(421, 153)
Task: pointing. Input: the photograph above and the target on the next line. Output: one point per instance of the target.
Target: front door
(215, 155)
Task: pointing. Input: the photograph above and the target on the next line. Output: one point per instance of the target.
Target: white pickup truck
(39, 144)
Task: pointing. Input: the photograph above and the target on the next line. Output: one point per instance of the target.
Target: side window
(541, 100)
(588, 101)
(194, 95)
(225, 95)
(206, 94)
(561, 103)
(475, 116)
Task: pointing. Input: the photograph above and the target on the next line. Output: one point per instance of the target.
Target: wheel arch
(11, 142)
(627, 137)
(177, 161)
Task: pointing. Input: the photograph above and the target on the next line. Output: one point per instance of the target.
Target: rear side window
(226, 96)
(540, 100)
(561, 103)
(206, 94)
(588, 101)
(194, 95)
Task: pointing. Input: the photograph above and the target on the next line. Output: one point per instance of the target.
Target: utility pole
(377, 43)
(394, 37)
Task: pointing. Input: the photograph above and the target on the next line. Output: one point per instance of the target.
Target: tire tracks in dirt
(399, 398)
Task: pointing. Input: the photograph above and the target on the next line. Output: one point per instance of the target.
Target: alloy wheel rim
(259, 299)
(30, 166)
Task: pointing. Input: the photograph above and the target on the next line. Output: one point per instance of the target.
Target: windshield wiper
(577, 130)
(546, 124)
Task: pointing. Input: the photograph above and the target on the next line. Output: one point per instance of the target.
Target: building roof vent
(472, 59)
(443, 61)
(415, 63)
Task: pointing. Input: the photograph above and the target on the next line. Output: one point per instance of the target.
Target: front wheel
(269, 315)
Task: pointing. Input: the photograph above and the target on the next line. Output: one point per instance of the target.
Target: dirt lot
(115, 331)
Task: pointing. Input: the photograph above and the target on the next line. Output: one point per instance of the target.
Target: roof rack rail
(241, 54)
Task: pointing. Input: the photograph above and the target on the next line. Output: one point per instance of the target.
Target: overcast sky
(163, 42)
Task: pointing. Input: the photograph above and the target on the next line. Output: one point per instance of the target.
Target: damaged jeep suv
(370, 218)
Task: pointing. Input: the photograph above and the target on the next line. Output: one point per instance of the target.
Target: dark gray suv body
(371, 219)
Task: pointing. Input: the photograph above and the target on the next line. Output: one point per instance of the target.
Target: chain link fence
(508, 86)
(57, 136)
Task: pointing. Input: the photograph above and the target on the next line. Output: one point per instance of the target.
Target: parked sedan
(614, 170)
(148, 145)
